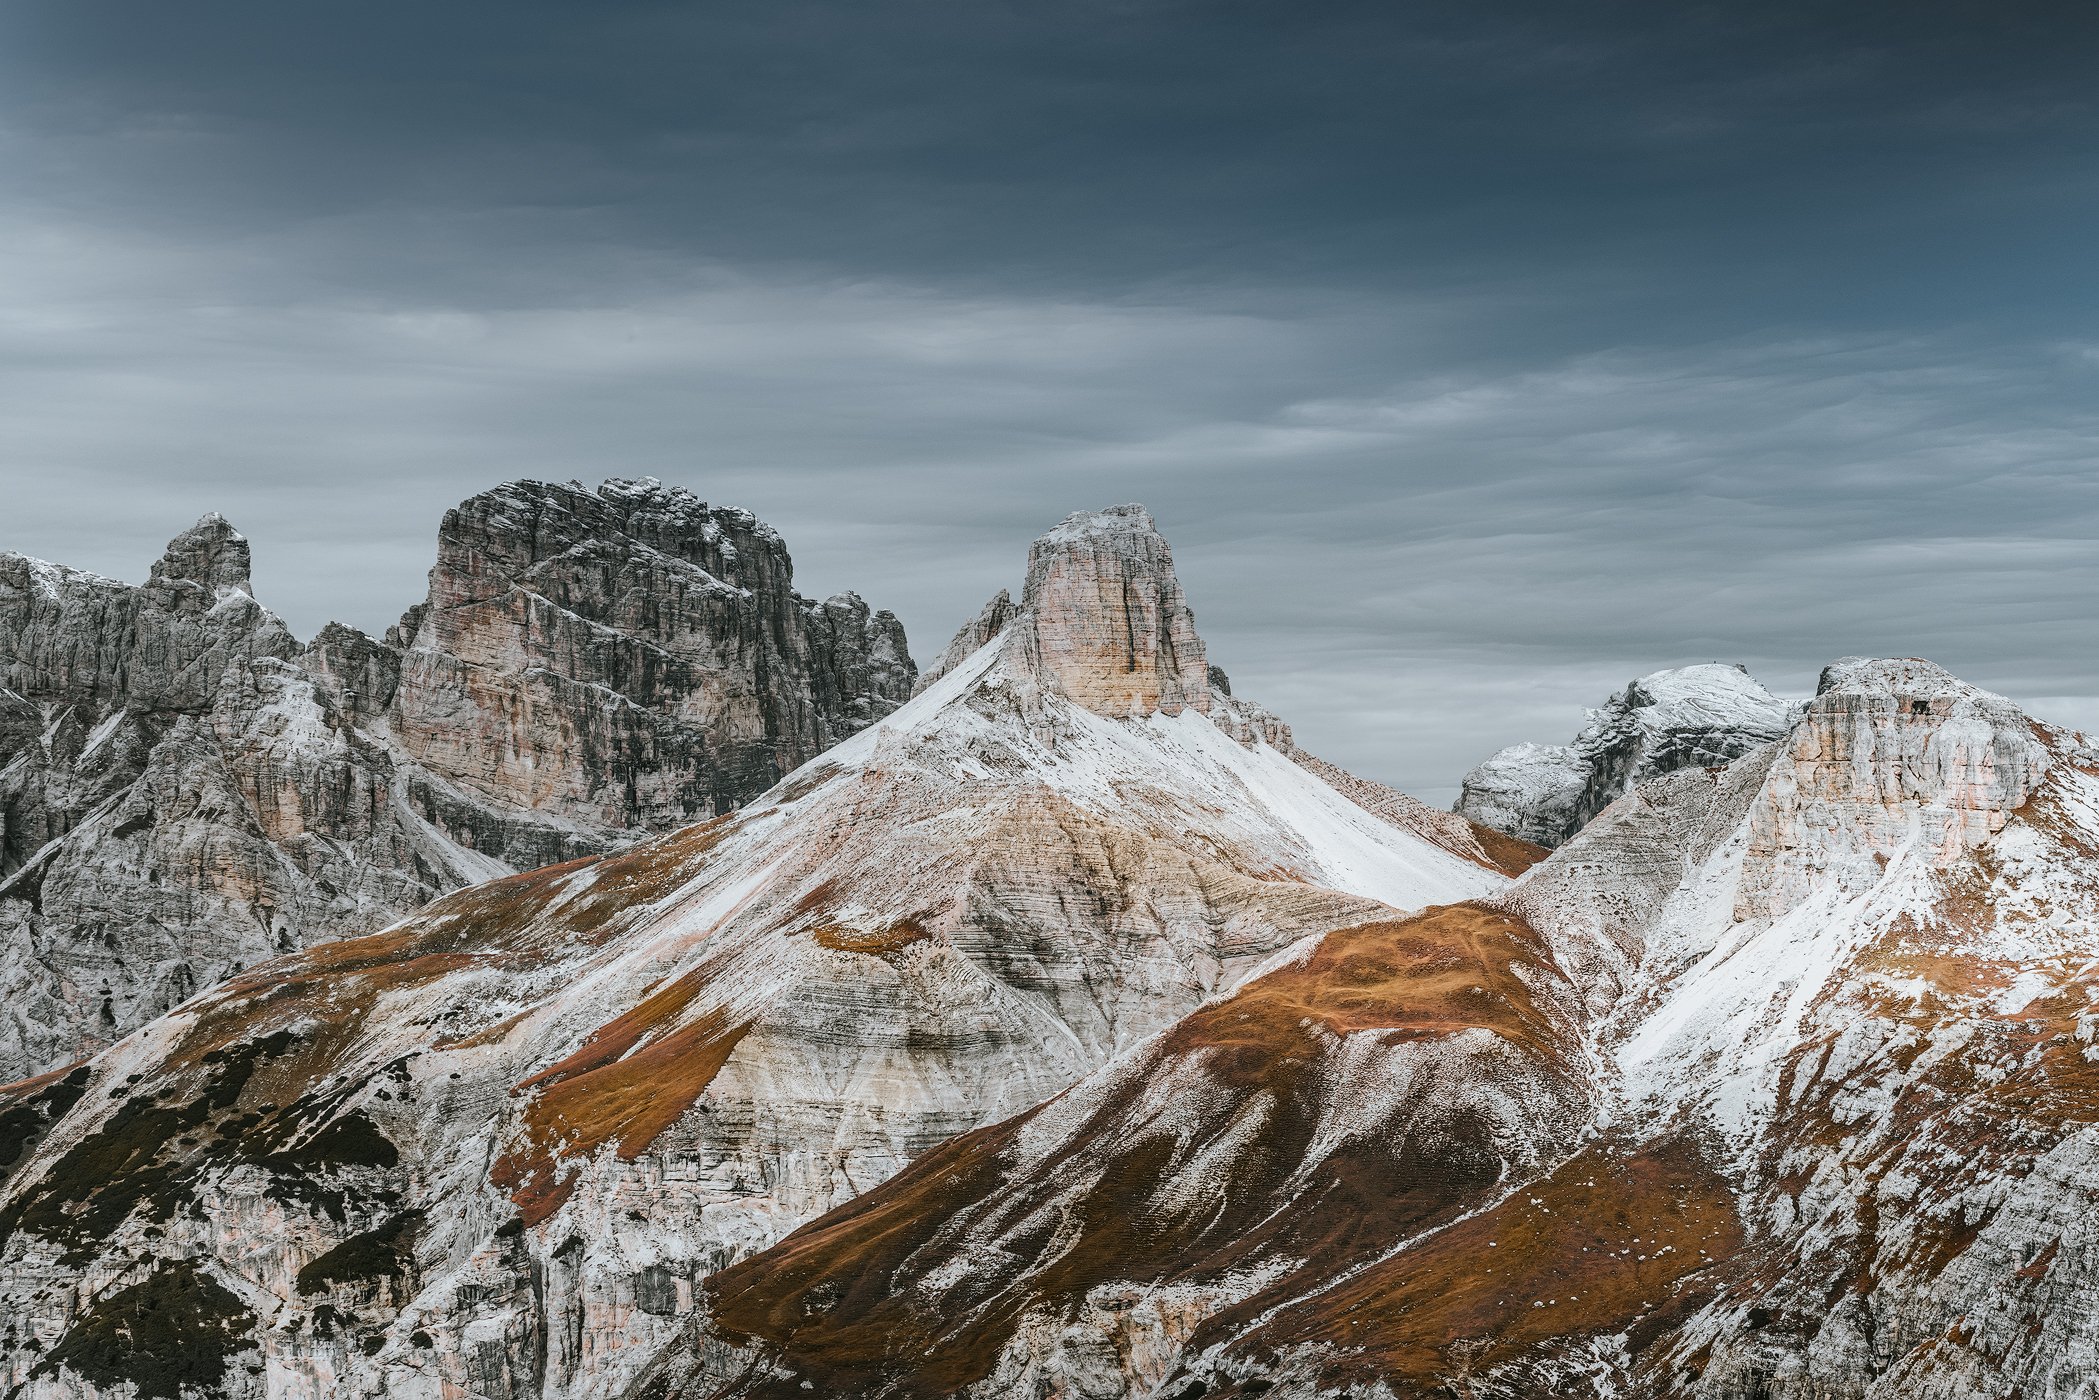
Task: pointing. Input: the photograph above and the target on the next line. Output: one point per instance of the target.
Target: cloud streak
(1473, 364)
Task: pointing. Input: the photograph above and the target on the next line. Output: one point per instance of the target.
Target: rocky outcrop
(1775, 1081)
(1530, 791)
(1106, 619)
(1694, 716)
(629, 658)
(498, 1147)
(1102, 619)
(185, 789)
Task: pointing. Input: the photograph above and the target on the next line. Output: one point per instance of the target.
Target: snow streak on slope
(1809, 1111)
(495, 1147)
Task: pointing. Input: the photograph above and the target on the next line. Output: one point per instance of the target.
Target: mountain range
(185, 789)
(1061, 1030)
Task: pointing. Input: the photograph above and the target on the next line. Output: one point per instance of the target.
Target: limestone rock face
(1107, 619)
(1776, 1080)
(630, 657)
(185, 789)
(1693, 716)
(1890, 756)
(498, 1147)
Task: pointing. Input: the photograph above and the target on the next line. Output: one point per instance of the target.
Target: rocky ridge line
(186, 789)
(1702, 716)
(1775, 1081)
(498, 1147)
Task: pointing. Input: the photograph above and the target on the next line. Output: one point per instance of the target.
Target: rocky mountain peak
(1891, 756)
(185, 789)
(1703, 716)
(1905, 729)
(1110, 625)
(549, 599)
(210, 553)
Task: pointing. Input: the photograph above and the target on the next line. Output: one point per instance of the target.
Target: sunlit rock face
(499, 1147)
(1693, 716)
(185, 789)
(1890, 756)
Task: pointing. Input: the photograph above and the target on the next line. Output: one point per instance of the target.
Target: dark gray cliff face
(630, 657)
(185, 789)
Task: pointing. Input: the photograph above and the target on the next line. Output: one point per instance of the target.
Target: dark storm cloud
(1473, 363)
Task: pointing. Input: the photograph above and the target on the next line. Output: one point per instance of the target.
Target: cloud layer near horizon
(1471, 368)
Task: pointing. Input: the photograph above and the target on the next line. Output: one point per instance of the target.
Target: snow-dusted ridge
(1780, 1079)
(509, 1135)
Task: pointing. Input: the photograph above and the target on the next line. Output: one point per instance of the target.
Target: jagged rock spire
(210, 552)
(1111, 627)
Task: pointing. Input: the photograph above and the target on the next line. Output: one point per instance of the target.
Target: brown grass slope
(1213, 1153)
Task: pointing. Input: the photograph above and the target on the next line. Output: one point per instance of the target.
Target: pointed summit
(211, 553)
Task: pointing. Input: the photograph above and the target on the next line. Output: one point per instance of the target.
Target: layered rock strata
(498, 1147)
(1694, 716)
(1774, 1081)
(186, 789)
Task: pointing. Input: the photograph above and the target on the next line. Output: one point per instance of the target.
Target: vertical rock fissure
(1129, 628)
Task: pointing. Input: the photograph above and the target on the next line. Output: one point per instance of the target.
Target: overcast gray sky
(1473, 362)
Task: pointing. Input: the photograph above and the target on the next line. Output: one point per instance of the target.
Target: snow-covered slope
(1776, 1081)
(1692, 716)
(493, 1149)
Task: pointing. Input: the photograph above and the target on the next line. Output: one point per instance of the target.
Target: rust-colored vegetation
(833, 1299)
(338, 984)
(627, 1084)
(1612, 1241)
(1448, 969)
(876, 942)
(274, 1035)
(2002, 1091)
(848, 1302)
(1509, 854)
(514, 923)
(638, 877)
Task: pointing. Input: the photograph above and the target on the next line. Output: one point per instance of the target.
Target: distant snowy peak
(1693, 716)
(1529, 791)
